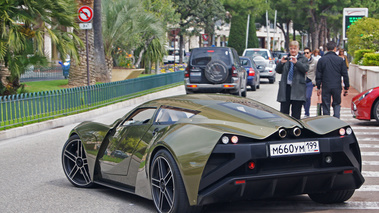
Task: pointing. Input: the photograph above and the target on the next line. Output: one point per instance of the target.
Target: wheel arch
(372, 108)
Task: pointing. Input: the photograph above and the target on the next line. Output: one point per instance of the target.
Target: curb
(77, 118)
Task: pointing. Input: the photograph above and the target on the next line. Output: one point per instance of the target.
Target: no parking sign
(85, 14)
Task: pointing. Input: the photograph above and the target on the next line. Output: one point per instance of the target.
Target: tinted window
(204, 56)
(170, 115)
(250, 109)
(254, 53)
(140, 116)
(245, 62)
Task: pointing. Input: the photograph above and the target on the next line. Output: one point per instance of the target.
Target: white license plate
(196, 74)
(296, 148)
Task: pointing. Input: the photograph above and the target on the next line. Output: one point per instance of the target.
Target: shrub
(363, 34)
(371, 59)
(358, 55)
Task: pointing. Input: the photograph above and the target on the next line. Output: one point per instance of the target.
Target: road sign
(85, 14)
(351, 15)
(85, 26)
(205, 37)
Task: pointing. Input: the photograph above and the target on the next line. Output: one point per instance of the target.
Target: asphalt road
(32, 179)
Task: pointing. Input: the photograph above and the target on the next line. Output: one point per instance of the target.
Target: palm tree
(23, 25)
(102, 73)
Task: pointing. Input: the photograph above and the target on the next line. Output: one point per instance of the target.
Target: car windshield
(204, 56)
(245, 62)
(171, 52)
(254, 53)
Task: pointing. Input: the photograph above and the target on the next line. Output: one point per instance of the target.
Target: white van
(169, 59)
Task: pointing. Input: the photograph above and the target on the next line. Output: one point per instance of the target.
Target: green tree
(239, 11)
(23, 25)
(363, 34)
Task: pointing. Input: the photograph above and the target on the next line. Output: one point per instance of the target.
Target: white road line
(369, 188)
(314, 206)
(370, 153)
(368, 139)
(366, 133)
(372, 146)
(365, 128)
(370, 174)
(370, 163)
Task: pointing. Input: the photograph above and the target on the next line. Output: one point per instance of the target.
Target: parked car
(193, 150)
(269, 71)
(253, 76)
(365, 106)
(275, 55)
(215, 69)
(173, 55)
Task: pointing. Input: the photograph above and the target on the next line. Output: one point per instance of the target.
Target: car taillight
(251, 72)
(186, 72)
(234, 71)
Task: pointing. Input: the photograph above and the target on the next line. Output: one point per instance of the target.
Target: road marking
(370, 174)
(368, 139)
(369, 188)
(373, 146)
(370, 153)
(371, 163)
(285, 205)
(366, 133)
(365, 127)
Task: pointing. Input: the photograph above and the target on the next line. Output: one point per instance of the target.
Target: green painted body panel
(192, 140)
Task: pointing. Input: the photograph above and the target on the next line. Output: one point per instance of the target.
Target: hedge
(358, 55)
(371, 59)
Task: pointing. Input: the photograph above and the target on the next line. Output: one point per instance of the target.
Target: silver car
(263, 57)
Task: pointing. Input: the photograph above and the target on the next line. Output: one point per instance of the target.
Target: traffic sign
(205, 37)
(85, 26)
(85, 14)
(351, 15)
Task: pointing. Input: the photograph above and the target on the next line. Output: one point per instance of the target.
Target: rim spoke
(168, 177)
(160, 169)
(168, 196)
(70, 156)
(73, 173)
(85, 175)
(160, 200)
(155, 182)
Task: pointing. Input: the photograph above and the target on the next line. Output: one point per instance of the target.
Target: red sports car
(365, 106)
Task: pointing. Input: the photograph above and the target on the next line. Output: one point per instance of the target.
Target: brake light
(348, 171)
(234, 71)
(186, 73)
(192, 86)
(211, 51)
(251, 72)
(240, 182)
(228, 86)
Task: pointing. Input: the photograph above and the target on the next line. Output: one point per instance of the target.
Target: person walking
(330, 69)
(291, 92)
(310, 80)
(341, 54)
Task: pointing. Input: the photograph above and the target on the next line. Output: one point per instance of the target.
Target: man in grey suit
(291, 92)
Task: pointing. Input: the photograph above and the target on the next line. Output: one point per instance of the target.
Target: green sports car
(188, 151)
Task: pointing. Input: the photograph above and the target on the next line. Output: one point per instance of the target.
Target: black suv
(215, 69)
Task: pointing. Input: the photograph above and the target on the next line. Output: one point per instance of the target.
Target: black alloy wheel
(167, 188)
(75, 164)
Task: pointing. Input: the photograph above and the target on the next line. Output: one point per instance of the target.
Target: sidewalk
(346, 100)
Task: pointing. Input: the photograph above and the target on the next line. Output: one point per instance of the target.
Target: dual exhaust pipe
(295, 132)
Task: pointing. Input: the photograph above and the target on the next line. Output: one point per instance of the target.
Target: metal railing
(42, 74)
(25, 108)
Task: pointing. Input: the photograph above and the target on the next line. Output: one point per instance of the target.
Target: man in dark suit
(292, 85)
(330, 69)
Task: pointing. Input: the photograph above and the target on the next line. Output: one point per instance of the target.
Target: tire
(253, 87)
(75, 164)
(271, 80)
(259, 83)
(167, 187)
(216, 72)
(332, 196)
(375, 111)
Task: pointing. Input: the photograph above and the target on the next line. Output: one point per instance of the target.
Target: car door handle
(155, 131)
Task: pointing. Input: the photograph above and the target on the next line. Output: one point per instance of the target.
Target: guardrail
(31, 107)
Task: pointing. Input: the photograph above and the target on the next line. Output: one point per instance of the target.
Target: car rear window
(250, 109)
(253, 53)
(204, 56)
(245, 62)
